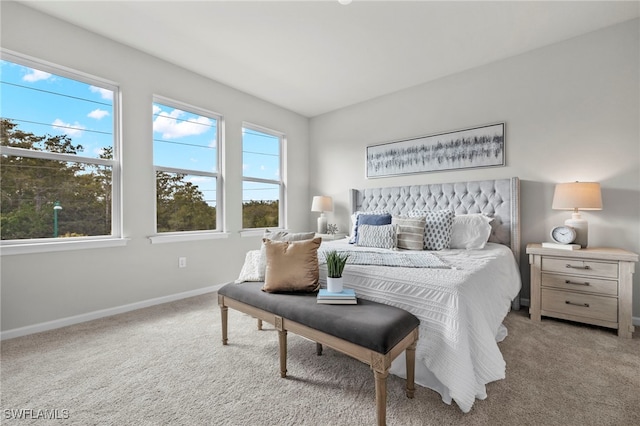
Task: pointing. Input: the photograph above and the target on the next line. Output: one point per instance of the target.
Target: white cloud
(67, 128)
(98, 114)
(213, 144)
(156, 109)
(172, 128)
(104, 93)
(35, 75)
(245, 166)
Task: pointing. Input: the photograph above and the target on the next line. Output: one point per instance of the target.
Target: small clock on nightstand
(563, 234)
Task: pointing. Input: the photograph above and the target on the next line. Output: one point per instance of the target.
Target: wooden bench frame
(380, 363)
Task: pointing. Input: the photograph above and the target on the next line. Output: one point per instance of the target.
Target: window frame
(37, 245)
(282, 218)
(176, 236)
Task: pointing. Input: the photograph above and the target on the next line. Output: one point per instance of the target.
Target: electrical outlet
(182, 262)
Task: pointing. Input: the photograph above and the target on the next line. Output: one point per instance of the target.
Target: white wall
(37, 288)
(571, 112)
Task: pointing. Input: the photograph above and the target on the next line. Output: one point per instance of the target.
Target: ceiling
(313, 57)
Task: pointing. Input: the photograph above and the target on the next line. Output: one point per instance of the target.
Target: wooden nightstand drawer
(593, 285)
(578, 304)
(579, 266)
(578, 283)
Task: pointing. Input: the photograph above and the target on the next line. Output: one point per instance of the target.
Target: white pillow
(354, 223)
(251, 270)
(470, 231)
(379, 236)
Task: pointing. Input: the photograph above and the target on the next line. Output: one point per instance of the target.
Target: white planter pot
(334, 285)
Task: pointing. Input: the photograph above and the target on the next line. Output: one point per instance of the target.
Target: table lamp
(322, 203)
(578, 196)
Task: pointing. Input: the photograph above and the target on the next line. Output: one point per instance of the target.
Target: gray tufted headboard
(498, 198)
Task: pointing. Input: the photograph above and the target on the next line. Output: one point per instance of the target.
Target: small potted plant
(335, 266)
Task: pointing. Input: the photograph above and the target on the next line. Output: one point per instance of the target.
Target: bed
(461, 306)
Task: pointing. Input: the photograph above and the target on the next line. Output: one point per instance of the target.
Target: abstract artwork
(461, 149)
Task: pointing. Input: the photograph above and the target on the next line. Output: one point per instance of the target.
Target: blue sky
(45, 103)
(35, 101)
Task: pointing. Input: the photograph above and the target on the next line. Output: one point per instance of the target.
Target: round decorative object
(563, 234)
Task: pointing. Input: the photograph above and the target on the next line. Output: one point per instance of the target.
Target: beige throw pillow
(292, 266)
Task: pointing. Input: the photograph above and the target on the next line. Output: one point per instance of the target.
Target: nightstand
(592, 286)
(331, 237)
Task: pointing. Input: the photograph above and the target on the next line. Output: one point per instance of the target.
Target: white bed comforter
(461, 310)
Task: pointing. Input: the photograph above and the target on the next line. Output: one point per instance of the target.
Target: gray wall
(37, 288)
(571, 112)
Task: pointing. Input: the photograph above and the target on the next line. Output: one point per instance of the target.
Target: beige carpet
(166, 365)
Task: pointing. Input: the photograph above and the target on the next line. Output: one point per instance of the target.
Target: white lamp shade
(577, 196)
(322, 203)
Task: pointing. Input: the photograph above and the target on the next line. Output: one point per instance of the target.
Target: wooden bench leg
(223, 313)
(381, 396)
(318, 349)
(259, 324)
(282, 339)
(411, 369)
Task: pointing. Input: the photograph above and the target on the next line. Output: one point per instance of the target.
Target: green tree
(260, 214)
(180, 205)
(30, 186)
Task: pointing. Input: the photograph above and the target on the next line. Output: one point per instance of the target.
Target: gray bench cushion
(368, 324)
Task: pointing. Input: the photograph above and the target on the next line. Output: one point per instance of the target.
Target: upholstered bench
(371, 332)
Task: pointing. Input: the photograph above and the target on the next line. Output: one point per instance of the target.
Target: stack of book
(346, 297)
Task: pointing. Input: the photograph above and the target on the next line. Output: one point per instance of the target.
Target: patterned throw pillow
(409, 232)
(372, 219)
(251, 270)
(437, 230)
(381, 236)
(354, 223)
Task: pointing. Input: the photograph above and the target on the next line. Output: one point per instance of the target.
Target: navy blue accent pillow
(372, 219)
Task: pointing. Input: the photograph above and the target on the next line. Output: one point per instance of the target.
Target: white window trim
(178, 237)
(282, 217)
(162, 237)
(10, 247)
(60, 244)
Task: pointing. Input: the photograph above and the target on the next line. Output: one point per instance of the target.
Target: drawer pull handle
(578, 267)
(574, 283)
(582, 305)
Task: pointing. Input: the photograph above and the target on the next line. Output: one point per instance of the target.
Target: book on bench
(346, 297)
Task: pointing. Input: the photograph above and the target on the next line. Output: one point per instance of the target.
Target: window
(187, 162)
(262, 183)
(59, 153)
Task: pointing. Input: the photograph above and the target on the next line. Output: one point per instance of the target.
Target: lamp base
(582, 229)
(322, 224)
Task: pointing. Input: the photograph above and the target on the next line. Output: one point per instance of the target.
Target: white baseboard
(89, 316)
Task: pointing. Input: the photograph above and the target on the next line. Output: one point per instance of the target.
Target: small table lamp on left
(322, 203)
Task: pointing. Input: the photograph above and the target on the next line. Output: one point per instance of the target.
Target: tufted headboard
(498, 198)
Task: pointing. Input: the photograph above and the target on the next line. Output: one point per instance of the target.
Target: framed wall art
(461, 149)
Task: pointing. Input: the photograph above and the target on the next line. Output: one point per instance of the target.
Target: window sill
(258, 232)
(181, 237)
(60, 245)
